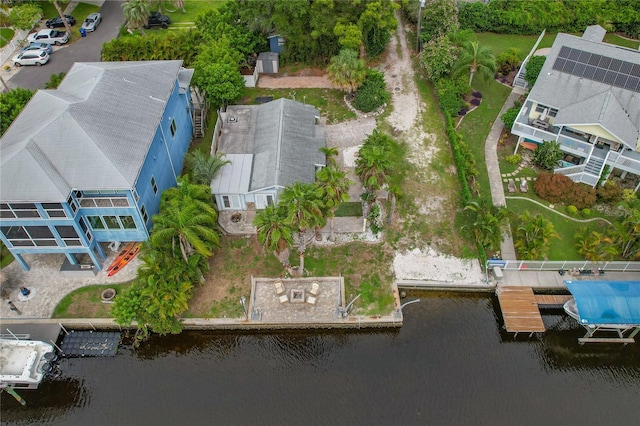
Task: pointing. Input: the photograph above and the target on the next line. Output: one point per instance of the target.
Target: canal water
(451, 364)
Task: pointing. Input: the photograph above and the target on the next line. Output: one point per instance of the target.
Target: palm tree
(488, 223)
(329, 155)
(347, 70)
(304, 207)
(273, 233)
(335, 190)
(475, 58)
(56, 4)
(136, 13)
(204, 167)
(533, 236)
(190, 226)
(375, 161)
(595, 246)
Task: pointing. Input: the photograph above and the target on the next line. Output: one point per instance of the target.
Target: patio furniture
(524, 185)
(511, 186)
(315, 288)
(279, 287)
(312, 300)
(284, 298)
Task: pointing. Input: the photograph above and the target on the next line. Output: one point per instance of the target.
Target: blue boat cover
(607, 302)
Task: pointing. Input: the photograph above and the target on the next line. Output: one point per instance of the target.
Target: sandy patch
(429, 265)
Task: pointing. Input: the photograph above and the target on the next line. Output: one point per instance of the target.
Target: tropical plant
(11, 104)
(136, 14)
(595, 246)
(56, 4)
(273, 233)
(55, 80)
(24, 16)
(488, 223)
(372, 93)
(347, 70)
(509, 117)
(508, 61)
(533, 68)
(204, 167)
(475, 59)
(375, 160)
(305, 210)
(439, 18)
(329, 155)
(334, 185)
(533, 236)
(438, 57)
(548, 155)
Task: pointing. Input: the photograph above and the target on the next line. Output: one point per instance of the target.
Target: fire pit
(297, 296)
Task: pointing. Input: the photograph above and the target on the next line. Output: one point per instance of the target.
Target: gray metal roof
(283, 137)
(584, 99)
(92, 132)
(234, 177)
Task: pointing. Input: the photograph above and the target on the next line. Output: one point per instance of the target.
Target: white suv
(31, 57)
(49, 37)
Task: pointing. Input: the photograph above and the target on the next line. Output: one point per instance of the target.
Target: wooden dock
(552, 299)
(520, 310)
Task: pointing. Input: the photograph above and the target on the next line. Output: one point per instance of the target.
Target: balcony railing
(527, 131)
(574, 146)
(570, 170)
(622, 162)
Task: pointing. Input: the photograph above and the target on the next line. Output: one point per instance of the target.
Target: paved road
(86, 49)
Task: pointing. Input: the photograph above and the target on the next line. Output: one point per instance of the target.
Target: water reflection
(452, 363)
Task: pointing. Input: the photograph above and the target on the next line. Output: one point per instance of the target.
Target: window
(42, 236)
(111, 222)
(154, 185)
(72, 203)
(25, 210)
(54, 209)
(143, 212)
(174, 128)
(95, 222)
(128, 222)
(5, 212)
(69, 235)
(226, 202)
(85, 229)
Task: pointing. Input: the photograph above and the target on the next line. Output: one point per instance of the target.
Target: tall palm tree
(56, 4)
(273, 233)
(488, 223)
(375, 161)
(347, 70)
(475, 58)
(335, 190)
(136, 13)
(304, 207)
(595, 246)
(188, 226)
(204, 167)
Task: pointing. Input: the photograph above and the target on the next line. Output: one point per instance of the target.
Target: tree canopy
(11, 104)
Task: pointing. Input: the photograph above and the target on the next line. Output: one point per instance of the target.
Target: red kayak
(124, 257)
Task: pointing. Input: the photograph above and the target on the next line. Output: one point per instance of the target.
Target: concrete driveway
(86, 49)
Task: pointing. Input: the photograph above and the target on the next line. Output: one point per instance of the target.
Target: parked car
(33, 57)
(49, 37)
(156, 19)
(91, 22)
(57, 22)
(38, 46)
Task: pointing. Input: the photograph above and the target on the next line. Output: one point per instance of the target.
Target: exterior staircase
(594, 165)
(199, 119)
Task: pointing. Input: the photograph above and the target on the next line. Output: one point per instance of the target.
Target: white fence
(9, 49)
(556, 265)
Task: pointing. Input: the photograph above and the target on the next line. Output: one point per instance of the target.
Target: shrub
(572, 210)
(548, 155)
(476, 94)
(450, 92)
(581, 195)
(373, 93)
(513, 159)
(610, 192)
(552, 187)
(628, 195)
(463, 111)
(534, 66)
(585, 213)
(475, 101)
(510, 115)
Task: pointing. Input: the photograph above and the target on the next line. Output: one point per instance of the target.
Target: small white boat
(24, 363)
(571, 308)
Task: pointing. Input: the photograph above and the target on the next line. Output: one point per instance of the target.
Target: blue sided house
(85, 164)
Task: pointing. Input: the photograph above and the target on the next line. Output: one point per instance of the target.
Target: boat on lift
(24, 363)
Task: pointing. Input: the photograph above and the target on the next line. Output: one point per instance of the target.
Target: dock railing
(557, 265)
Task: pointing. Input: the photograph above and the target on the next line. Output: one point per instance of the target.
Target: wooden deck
(552, 299)
(520, 310)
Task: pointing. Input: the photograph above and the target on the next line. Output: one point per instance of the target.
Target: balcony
(627, 161)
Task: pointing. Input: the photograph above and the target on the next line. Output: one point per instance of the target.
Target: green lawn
(6, 34)
(620, 41)
(476, 125)
(330, 102)
(349, 209)
(563, 247)
(499, 43)
(86, 302)
(192, 8)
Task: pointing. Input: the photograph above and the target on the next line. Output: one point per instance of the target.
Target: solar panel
(603, 69)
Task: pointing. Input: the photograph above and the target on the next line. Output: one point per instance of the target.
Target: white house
(587, 98)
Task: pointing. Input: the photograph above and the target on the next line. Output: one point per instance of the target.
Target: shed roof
(92, 132)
